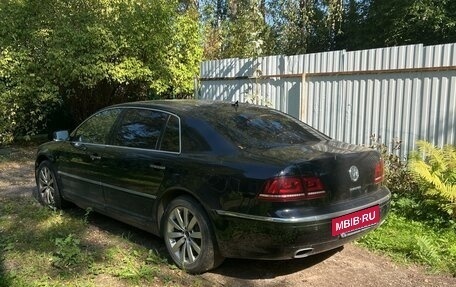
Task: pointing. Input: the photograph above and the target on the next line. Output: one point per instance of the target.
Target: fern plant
(426, 250)
(436, 168)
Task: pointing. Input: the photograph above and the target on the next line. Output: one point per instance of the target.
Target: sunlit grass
(42, 247)
(410, 241)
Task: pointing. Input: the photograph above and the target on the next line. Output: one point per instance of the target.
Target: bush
(26, 100)
(397, 175)
(435, 169)
(410, 194)
(419, 228)
(70, 58)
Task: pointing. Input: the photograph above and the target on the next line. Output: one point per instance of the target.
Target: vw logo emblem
(354, 173)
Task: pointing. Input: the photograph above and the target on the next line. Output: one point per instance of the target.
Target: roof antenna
(235, 105)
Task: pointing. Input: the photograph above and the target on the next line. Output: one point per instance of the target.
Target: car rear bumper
(262, 237)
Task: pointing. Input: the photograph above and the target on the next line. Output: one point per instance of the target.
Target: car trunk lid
(347, 171)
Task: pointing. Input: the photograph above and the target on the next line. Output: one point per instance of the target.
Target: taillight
(378, 174)
(292, 189)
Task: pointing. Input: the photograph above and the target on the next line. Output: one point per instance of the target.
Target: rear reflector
(378, 175)
(283, 189)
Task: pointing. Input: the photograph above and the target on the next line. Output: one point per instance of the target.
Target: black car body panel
(282, 231)
(222, 155)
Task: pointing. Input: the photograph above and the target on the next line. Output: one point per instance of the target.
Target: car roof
(193, 107)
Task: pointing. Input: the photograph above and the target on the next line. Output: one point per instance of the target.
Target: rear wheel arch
(166, 199)
(182, 216)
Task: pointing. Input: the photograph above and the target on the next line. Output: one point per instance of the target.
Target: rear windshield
(257, 127)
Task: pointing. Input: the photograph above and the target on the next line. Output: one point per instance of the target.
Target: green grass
(41, 247)
(410, 241)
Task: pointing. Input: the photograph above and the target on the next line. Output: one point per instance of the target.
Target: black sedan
(216, 180)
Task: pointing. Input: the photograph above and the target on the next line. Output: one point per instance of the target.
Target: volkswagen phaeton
(216, 179)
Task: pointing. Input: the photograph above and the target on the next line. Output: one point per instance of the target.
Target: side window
(140, 128)
(171, 141)
(96, 129)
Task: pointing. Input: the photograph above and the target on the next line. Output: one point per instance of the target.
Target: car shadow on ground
(118, 228)
(115, 227)
(245, 269)
(249, 269)
(236, 268)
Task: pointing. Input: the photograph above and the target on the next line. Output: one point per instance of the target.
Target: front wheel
(188, 236)
(48, 186)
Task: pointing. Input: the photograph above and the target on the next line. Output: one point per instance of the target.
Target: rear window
(264, 128)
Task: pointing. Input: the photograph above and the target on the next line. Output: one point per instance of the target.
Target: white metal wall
(401, 93)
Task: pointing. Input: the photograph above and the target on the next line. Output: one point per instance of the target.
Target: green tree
(235, 28)
(304, 26)
(213, 15)
(244, 34)
(351, 33)
(86, 54)
(390, 23)
(248, 28)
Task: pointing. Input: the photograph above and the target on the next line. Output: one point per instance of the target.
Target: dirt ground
(348, 266)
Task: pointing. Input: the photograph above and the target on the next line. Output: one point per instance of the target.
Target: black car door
(79, 163)
(137, 164)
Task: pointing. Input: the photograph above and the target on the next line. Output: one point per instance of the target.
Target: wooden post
(304, 98)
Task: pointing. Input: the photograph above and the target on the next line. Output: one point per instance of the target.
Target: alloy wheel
(183, 235)
(46, 186)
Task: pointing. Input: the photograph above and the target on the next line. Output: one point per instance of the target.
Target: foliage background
(62, 60)
(308, 26)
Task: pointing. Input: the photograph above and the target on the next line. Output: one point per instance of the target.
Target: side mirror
(60, 136)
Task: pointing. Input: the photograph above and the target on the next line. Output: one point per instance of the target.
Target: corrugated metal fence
(401, 93)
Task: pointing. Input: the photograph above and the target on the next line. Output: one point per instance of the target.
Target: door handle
(79, 145)
(95, 157)
(157, 166)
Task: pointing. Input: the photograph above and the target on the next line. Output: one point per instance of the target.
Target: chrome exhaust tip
(301, 253)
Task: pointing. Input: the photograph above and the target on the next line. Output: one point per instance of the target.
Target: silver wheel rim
(183, 235)
(46, 185)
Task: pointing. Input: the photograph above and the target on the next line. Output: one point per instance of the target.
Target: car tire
(48, 186)
(189, 237)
